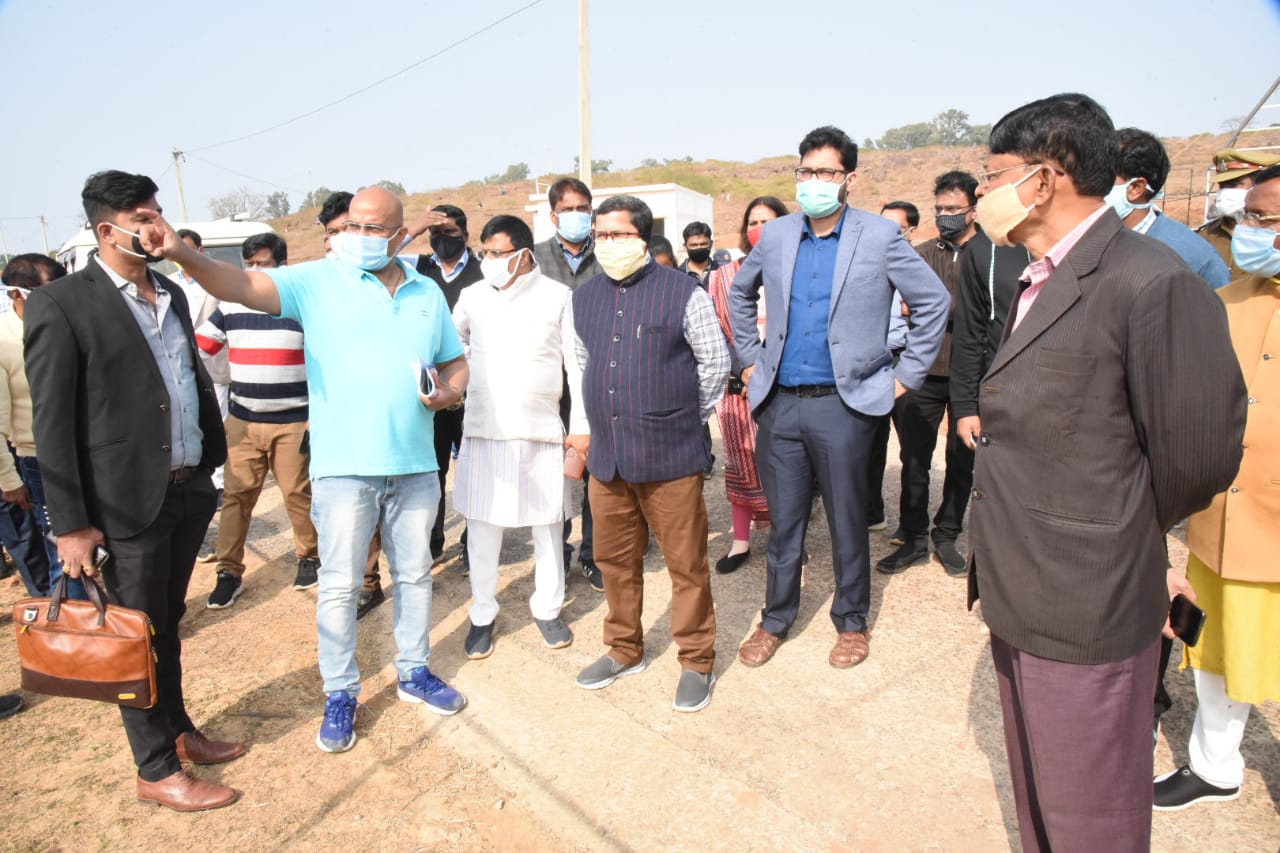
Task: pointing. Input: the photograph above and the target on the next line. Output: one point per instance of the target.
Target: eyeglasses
(606, 236)
(695, 246)
(500, 253)
(952, 210)
(827, 176)
(908, 231)
(582, 208)
(984, 178)
(368, 228)
(1260, 220)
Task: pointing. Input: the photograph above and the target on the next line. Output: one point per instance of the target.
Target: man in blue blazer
(822, 376)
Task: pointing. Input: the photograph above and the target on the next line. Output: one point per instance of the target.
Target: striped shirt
(268, 368)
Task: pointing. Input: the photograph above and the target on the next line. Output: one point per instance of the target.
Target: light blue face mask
(365, 251)
(1254, 251)
(1118, 198)
(574, 225)
(818, 198)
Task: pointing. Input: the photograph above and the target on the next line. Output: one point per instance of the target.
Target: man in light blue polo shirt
(369, 321)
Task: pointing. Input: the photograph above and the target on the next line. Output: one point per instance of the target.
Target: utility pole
(44, 232)
(4, 248)
(177, 171)
(584, 96)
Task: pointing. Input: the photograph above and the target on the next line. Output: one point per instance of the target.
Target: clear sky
(92, 86)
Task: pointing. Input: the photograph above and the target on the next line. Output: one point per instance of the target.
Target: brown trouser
(624, 513)
(253, 449)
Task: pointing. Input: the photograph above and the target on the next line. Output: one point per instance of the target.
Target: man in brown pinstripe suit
(1113, 408)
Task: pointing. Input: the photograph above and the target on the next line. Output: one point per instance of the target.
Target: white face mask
(499, 272)
(1229, 203)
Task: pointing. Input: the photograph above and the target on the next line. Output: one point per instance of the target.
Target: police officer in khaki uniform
(1233, 174)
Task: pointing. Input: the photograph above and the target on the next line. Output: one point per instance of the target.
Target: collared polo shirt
(806, 356)
(362, 349)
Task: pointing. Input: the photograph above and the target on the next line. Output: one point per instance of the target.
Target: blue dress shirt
(806, 355)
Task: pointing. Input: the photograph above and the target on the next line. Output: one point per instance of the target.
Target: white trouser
(484, 542)
(1218, 730)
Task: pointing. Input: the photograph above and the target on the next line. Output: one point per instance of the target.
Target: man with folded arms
(518, 326)
(129, 431)
(372, 455)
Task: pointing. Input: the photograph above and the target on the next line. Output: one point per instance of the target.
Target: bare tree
(240, 201)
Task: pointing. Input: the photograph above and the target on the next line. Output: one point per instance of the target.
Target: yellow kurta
(1235, 542)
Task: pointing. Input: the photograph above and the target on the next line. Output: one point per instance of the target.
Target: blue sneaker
(439, 697)
(337, 732)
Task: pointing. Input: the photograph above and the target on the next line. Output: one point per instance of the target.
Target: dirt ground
(902, 753)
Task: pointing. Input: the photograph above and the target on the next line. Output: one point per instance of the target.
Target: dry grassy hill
(882, 176)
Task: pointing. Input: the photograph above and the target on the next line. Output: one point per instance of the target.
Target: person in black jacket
(129, 431)
(452, 266)
(988, 285)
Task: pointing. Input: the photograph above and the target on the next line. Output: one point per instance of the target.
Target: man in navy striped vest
(655, 363)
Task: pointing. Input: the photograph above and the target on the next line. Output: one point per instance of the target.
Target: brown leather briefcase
(86, 649)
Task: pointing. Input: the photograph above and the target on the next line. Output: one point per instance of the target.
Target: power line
(243, 175)
(375, 83)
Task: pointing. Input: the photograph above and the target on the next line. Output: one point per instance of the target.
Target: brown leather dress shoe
(195, 748)
(185, 792)
(851, 649)
(759, 647)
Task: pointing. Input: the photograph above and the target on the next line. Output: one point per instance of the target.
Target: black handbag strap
(59, 594)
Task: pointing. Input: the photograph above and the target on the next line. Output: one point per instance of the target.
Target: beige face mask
(621, 258)
(1000, 211)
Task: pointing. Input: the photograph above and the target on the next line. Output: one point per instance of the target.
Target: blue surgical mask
(1254, 251)
(818, 198)
(574, 225)
(1119, 199)
(365, 251)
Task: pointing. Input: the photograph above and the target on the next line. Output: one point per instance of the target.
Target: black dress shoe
(369, 599)
(913, 552)
(730, 563)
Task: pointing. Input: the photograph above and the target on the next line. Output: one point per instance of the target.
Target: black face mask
(951, 225)
(447, 246)
(700, 256)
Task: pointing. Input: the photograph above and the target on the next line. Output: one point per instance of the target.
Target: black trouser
(150, 572)
(875, 470)
(917, 415)
(448, 432)
(585, 551)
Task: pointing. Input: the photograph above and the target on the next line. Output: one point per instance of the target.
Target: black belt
(181, 475)
(808, 390)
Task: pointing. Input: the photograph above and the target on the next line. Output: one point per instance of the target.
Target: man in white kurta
(517, 326)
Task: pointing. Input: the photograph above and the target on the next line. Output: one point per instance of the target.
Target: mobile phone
(1186, 620)
(100, 554)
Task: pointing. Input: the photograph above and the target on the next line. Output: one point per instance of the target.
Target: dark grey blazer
(101, 409)
(1114, 410)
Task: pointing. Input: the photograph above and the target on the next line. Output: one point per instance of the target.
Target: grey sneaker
(555, 634)
(605, 671)
(479, 643)
(693, 693)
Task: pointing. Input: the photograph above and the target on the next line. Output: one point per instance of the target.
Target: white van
(222, 241)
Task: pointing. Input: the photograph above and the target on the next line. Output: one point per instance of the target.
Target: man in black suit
(130, 431)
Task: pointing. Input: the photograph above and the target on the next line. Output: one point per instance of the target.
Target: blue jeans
(21, 536)
(29, 468)
(345, 511)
